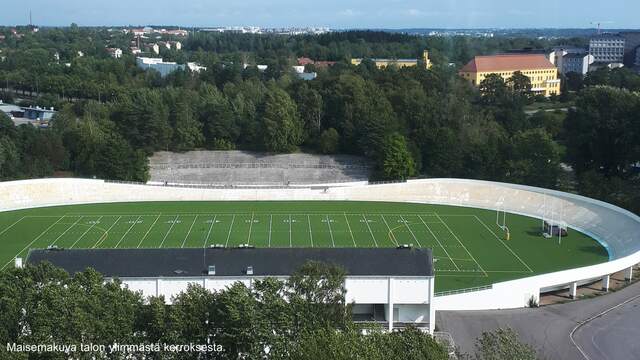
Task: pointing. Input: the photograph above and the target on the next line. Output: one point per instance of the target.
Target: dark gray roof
(125, 263)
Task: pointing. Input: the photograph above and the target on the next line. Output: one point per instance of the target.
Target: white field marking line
(310, 233)
(250, 227)
(503, 243)
(189, 232)
(330, 232)
(270, 222)
(206, 239)
(393, 237)
(33, 241)
(350, 232)
(168, 231)
(233, 219)
(85, 233)
(66, 231)
(489, 271)
(370, 232)
(149, 230)
(439, 243)
(406, 223)
(290, 242)
(106, 233)
(465, 248)
(584, 322)
(128, 230)
(10, 226)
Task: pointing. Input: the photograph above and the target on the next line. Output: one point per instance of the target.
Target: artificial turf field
(469, 248)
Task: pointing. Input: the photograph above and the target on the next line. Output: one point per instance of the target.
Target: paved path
(612, 336)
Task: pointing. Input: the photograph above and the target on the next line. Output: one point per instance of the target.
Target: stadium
(495, 245)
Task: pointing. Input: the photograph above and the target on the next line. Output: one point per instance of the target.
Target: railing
(464, 291)
(259, 165)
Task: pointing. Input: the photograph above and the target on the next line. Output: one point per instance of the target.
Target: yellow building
(383, 63)
(543, 74)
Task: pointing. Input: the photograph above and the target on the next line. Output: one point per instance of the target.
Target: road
(611, 336)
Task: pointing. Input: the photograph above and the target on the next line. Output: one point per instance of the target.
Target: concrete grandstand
(249, 168)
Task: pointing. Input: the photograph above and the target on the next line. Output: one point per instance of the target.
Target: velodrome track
(616, 229)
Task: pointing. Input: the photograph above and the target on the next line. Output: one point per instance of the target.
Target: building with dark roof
(390, 286)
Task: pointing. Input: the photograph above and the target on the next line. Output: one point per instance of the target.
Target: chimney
(212, 270)
(249, 270)
(18, 263)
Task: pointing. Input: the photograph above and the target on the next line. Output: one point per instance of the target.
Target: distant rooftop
(507, 62)
(128, 263)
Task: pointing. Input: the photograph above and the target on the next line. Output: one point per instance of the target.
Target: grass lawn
(469, 248)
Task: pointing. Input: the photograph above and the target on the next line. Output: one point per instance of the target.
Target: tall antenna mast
(30, 19)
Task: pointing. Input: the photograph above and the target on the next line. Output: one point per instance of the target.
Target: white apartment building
(392, 287)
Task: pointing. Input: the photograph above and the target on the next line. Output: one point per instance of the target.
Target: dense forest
(409, 122)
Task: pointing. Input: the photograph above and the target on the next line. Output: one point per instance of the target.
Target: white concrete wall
(615, 228)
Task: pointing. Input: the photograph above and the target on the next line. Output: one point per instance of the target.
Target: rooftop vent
(246, 246)
(18, 263)
(217, 246)
(249, 270)
(405, 246)
(179, 272)
(212, 270)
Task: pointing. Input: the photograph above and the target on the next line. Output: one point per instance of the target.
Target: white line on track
(33, 241)
(250, 227)
(393, 237)
(503, 243)
(350, 232)
(85, 233)
(290, 240)
(149, 230)
(66, 231)
(310, 233)
(439, 243)
(270, 222)
(189, 232)
(10, 226)
(168, 231)
(465, 248)
(106, 233)
(206, 239)
(406, 223)
(370, 232)
(128, 230)
(233, 219)
(330, 231)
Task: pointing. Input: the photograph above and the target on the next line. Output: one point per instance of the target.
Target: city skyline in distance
(346, 14)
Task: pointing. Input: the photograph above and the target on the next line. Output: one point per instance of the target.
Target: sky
(340, 14)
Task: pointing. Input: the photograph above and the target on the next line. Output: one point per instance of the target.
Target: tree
(397, 162)
(503, 344)
(520, 85)
(493, 90)
(329, 141)
(535, 159)
(283, 129)
(602, 133)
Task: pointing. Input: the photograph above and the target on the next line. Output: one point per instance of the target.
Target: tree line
(408, 122)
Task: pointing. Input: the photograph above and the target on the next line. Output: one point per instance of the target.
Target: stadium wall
(616, 229)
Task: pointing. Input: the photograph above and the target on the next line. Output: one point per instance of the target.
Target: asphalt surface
(614, 335)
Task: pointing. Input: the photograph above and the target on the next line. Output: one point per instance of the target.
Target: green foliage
(535, 159)
(283, 129)
(397, 162)
(503, 344)
(329, 141)
(251, 323)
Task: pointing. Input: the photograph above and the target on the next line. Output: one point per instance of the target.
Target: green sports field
(469, 248)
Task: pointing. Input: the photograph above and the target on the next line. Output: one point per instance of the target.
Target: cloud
(349, 12)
